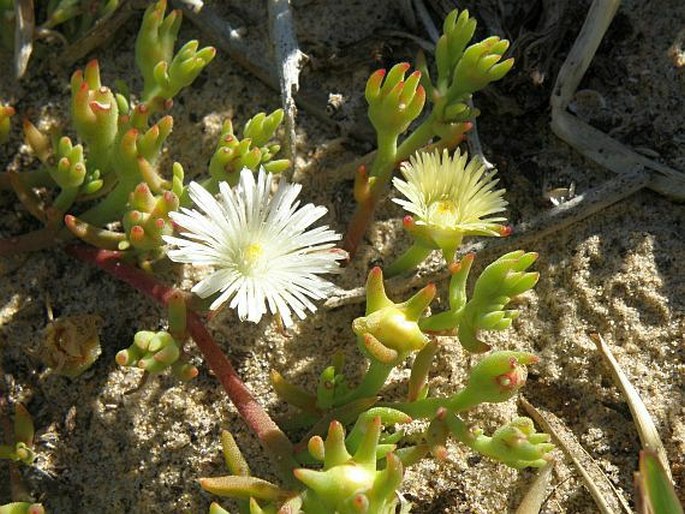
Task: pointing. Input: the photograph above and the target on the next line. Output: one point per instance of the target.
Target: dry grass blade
(649, 436)
(607, 498)
(426, 20)
(289, 60)
(537, 494)
(228, 39)
(589, 141)
(23, 35)
(102, 31)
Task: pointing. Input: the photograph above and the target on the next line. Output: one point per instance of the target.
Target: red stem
(270, 435)
(361, 219)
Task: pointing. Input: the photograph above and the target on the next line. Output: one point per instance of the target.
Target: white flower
(450, 199)
(260, 247)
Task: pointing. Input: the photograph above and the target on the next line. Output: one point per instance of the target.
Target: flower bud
(496, 378)
(6, 113)
(390, 331)
(39, 142)
(516, 444)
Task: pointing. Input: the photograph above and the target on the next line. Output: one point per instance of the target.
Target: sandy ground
(620, 272)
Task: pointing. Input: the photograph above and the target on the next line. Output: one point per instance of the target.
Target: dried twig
(23, 35)
(228, 39)
(426, 20)
(290, 59)
(589, 141)
(649, 436)
(607, 498)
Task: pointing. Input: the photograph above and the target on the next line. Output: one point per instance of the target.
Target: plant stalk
(267, 431)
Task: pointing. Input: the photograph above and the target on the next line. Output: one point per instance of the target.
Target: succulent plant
(22, 448)
(266, 258)
(154, 352)
(347, 483)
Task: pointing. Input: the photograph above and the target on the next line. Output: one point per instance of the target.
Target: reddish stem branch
(271, 436)
(361, 219)
(368, 200)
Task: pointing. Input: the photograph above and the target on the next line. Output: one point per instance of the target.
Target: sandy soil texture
(620, 272)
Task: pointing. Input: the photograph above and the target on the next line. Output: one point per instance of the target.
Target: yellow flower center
(252, 258)
(252, 253)
(443, 213)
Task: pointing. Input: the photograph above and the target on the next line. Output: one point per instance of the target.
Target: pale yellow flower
(449, 197)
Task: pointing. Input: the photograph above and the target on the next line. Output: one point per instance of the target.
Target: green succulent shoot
(165, 74)
(390, 331)
(462, 70)
(500, 282)
(516, 444)
(496, 378)
(145, 220)
(154, 352)
(22, 449)
(349, 482)
(394, 103)
(94, 113)
(255, 149)
(118, 149)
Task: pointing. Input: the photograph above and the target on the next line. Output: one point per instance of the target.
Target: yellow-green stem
(373, 381)
(411, 258)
